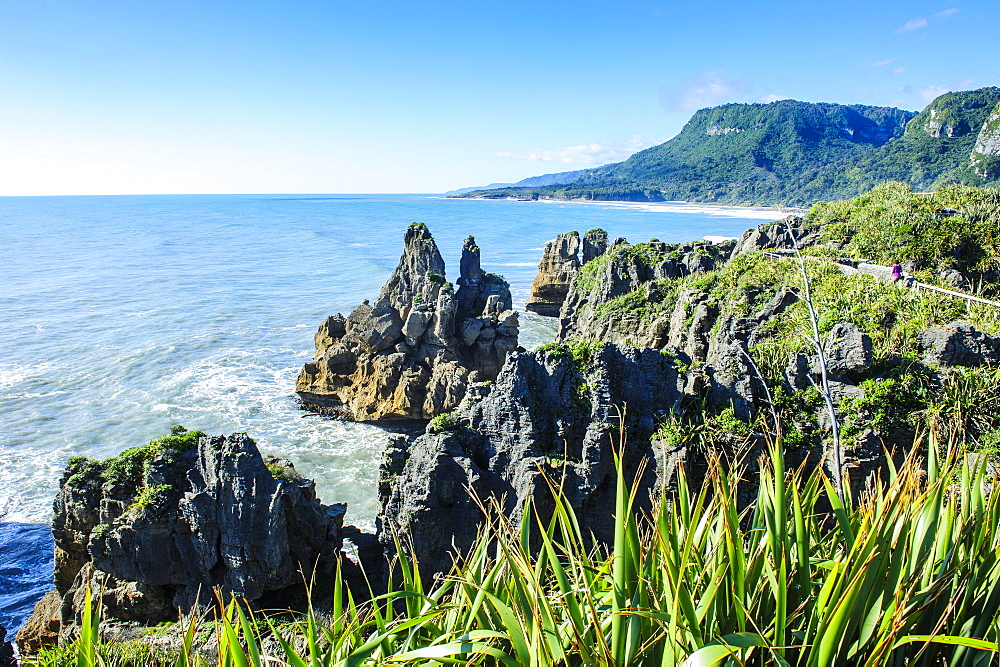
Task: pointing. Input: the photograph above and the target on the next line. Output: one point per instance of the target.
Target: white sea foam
(684, 207)
(12, 374)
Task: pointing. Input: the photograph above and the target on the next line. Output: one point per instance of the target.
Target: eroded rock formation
(546, 414)
(158, 528)
(635, 338)
(603, 286)
(985, 156)
(958, 344)
(561, 259)
(412, 353)
(6, 650)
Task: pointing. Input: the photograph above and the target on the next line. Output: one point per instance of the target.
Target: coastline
(701, 208)
(767, 213)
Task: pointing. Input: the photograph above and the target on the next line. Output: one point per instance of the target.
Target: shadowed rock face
(546, 415)
(178, 526)
(6, 650)
(412, 353)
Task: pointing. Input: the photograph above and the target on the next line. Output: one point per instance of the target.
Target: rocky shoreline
(659, 353)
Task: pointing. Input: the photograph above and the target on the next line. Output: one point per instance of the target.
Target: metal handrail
(777, 254)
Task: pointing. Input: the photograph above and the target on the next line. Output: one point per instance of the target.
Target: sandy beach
(701, 208)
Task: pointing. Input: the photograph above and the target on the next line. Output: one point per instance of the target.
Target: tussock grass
(908, 574)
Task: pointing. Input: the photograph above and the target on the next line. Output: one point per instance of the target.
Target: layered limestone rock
(159, 528)
(561, 259)
(608, 286)
(545, 415)
(985, 156)
(712, 351)
(412, 354)
(556, 416)
(784, 234)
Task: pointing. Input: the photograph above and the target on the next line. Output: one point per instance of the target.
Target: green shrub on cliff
(445, 422)
(128, 469)
(953, 228)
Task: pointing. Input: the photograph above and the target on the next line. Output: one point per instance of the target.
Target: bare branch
(824, 390)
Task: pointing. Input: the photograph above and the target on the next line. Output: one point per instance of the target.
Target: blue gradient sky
(114, 97)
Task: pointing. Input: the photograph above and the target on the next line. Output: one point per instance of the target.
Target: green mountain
(935, 150)
(795, 153)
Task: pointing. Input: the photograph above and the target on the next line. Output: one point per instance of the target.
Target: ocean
(125, 315)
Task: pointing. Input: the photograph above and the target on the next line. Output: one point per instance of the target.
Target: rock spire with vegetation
(160, 528)
(413, 353)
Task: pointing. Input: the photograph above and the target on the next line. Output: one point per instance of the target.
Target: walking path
(879, 272)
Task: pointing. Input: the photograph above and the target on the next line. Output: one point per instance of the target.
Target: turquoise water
(122, 316)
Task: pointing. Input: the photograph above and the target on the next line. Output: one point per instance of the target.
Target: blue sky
(144, 96)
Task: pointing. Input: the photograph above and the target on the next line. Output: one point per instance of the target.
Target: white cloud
(948, 13)
(898, 70)
(767, 99)
(707, 89)
(585, 154)
(883, 63)
(928, 93)
(911, 25)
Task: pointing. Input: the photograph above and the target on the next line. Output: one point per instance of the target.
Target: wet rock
(412, 353)
(6, 650)
(958, 344)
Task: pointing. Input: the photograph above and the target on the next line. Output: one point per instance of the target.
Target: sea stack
(161, 527)
(559, 265)
(413, 353)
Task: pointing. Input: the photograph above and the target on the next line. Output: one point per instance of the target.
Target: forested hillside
(794, 153)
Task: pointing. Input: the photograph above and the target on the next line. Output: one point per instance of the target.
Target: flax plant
(910, 574)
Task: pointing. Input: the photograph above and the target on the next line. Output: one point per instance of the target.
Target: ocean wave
(12, 374)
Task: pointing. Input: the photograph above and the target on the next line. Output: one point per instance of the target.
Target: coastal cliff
(160, 528)
(413, 353)
(553, 415)
(985, 158)
(696, 352)
(677, 367)
(561, 258)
